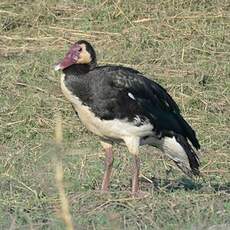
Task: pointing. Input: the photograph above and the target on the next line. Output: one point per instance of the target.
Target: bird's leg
(108, 167)
(133, 144)
(135, 179)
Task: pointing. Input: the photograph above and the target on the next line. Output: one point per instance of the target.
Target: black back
(106, 90)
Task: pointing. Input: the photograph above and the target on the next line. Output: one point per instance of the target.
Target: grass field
(183, 45)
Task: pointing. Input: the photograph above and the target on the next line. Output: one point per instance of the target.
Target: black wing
(116, 92)
(154, 102)
(143, 87)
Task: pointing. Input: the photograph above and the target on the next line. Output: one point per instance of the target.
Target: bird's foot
(104, 191)
(140, 194)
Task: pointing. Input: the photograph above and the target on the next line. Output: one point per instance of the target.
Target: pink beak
(70, 58)
(66, 62)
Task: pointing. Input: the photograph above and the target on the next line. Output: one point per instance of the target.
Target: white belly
(116, 129)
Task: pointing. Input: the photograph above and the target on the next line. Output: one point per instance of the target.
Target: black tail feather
(190, 133)
(192, 156)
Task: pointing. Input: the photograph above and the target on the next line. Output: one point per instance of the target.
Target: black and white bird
(120, 104)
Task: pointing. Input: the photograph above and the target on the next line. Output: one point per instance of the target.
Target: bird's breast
(115, 129)
(86, 116)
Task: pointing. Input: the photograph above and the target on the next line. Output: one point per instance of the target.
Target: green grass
(183, 45)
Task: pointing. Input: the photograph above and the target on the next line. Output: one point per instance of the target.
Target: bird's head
(79, 53)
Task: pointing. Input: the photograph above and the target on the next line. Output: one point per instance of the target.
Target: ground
(183, 45)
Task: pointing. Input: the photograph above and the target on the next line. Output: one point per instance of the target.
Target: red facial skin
(70, 58)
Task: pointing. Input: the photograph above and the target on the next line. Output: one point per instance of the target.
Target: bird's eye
(80, 49)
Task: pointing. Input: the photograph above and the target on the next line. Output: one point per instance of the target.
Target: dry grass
(184, 45)
(59, 174)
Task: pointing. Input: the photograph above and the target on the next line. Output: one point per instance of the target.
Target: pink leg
(135, 180)
(108, 169)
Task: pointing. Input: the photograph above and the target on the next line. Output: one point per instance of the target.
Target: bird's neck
(79, 69)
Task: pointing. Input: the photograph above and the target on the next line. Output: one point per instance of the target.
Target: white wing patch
(137, 120)
(131, 96)
(174, 150)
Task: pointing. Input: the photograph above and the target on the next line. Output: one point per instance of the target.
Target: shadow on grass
(186, 184)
